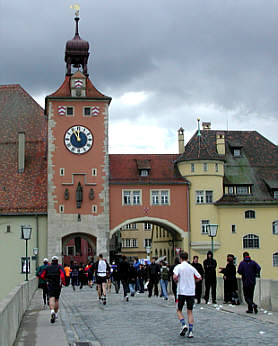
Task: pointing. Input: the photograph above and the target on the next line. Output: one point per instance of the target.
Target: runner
(55, 276)
(101, 268)
(42, 283)
(186, 275)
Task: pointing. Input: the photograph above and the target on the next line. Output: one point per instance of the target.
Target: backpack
(164, 273)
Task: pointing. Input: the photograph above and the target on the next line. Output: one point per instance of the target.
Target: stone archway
(85, 253)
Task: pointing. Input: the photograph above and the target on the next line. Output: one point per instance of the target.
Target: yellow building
(233, 179)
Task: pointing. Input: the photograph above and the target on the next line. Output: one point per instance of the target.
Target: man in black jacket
(153, 274)
(124, 276)
(210, 265)
(199, 284)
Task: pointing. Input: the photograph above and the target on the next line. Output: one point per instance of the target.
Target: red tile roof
(26, 192)
(91, 91)
(124, 169)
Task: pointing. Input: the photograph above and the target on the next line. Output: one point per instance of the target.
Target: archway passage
(79, 247)
(147, 237)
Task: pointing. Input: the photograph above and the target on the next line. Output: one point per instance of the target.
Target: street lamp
(26, 235)
(212, 230)
(148, 250)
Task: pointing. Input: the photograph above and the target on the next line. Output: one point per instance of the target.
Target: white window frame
(148, 226)
(205, 166)
(236, 152)
(209, 196)
(130, 226)
(62, 172)
(204, 223)
(242, 190)
(87, 115)
(131, 197)
(275, 194)
(233, 229)
(192, 167)
(200, 196)
(147, 242)
(69, 115)
(216, 167)
(94, 172)
(250, 214)
(144, 172)
(160, 197)
(275, 227)
(61, 208)
(251, 241)
(94, 208)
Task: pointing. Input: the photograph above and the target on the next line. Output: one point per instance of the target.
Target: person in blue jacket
(249, 270)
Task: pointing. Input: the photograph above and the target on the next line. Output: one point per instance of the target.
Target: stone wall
(12, 309)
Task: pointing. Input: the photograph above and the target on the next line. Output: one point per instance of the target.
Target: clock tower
(78, 161)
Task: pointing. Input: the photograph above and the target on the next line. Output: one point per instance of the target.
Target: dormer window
(144, 172)
(275, 194)
(237, 152)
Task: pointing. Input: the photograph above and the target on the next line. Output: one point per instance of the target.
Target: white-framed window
(144, 172)
(147, 242)
(251, 241)
(130, 226)
(94, 208)
(237, 152)
(230, 190)
(209, 196)
(70, 111)
(216, 167)
(204, 196)
(131, 197)
(94, 172)
(275, 259)
(275, 194)
(199, 196)
(204, 223)
(129, 242)
(86, 111)
(61, 209)
(242, 190)
(160, 197)
(205, 167)
(147, 226)
(192, 167)
(233, 228)
(275, 227)
(250, 214)
(62, 172)
(136, 198)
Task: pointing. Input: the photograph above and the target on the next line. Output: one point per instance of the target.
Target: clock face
(78, 139)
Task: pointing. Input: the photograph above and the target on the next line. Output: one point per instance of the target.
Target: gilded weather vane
(76, 7)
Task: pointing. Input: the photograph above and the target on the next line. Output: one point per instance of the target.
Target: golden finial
(76, 7)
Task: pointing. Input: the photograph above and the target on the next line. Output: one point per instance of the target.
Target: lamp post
(148, 250)
(212, 231)
(26, 235)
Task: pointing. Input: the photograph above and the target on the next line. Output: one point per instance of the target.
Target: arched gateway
(89, 191)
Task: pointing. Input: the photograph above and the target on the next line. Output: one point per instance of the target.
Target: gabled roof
(91, 91)
(257, 163)
(23, 193)
(124, 169)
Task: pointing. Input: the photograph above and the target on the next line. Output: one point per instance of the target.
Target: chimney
(220, 142)
(21, 152)
(181, 140)
(206, 126)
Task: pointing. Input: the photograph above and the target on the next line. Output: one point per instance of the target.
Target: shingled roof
(257, 164)
(22, 193)
(124, 169)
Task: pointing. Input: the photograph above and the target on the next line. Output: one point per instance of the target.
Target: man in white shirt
(101, 268)
(186, 276)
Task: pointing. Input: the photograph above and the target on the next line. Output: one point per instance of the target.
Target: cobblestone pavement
(153, 321)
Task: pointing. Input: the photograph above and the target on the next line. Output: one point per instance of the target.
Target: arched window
(160, 252)
(250, 214)
(164, 252)
(275, 227)
(156, 233)
(168, 257)
(156, 253)
(275, 259)
(251, 241)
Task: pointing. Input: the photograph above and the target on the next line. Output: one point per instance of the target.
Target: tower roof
(77, 51)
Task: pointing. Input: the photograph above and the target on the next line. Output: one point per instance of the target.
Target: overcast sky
(164, 63)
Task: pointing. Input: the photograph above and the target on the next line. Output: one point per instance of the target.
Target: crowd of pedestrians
(138, 277)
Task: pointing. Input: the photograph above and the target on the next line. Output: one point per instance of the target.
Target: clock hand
(77, 135)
